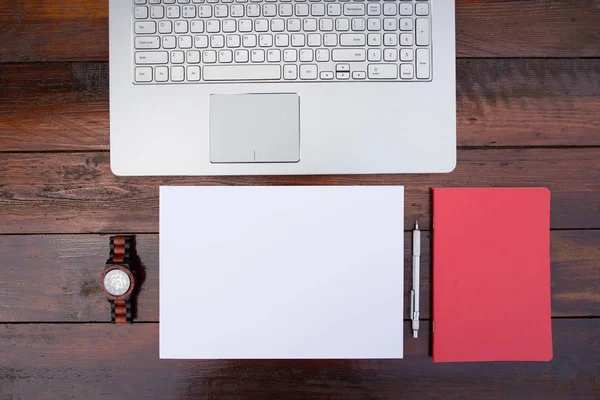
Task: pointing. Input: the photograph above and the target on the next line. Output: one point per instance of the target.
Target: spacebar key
(241, 72)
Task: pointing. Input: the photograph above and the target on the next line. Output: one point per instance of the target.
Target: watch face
(116, 282)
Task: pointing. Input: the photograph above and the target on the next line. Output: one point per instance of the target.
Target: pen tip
(417, 225)
(415, 334)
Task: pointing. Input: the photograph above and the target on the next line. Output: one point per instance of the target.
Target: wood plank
(499, 103)
(52, 30)
(77, 193)
(58, 275)
(116, 362)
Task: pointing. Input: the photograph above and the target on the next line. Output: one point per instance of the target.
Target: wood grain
(77, 193)
(115, 362)
(58, 276)
(52, 30)
(510, 102)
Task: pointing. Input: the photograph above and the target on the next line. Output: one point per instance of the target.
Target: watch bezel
(131, 280)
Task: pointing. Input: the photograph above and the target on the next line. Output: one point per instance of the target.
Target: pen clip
(412, 303)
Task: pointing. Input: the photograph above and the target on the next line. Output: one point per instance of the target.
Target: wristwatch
(117, 280)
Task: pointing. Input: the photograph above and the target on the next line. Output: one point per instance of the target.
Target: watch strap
(120, 250)
(120, 312)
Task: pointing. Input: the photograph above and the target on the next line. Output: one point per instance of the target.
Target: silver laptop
(264, 87)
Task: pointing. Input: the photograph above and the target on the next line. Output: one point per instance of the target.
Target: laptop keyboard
(205, 41)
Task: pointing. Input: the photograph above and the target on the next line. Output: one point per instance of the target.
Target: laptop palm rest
(255, 128)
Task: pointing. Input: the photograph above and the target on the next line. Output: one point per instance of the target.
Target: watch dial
(116, 282)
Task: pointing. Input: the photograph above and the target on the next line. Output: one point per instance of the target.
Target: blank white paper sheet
(281, 272)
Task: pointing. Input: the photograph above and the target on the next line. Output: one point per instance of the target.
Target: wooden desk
(528, 115)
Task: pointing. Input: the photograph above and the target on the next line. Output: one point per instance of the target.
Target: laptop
(280, 87)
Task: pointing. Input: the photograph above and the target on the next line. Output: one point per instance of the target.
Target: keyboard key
(241, 56)
(310, 24)
(177, 57)
(382, 71)
(204, 11)
(193, 57)
(313, 40)
(389, 8)
(322, 55)
(193, 73)
(169, 42)
(352, 9)
(253, 10)
(237, 10)
(374, 9)
(173, 12)
(334, 9)
(152, 57)
(326, 24)
(265, 40)
(269, 10)
(185, 42)
(353, 39)
(157, 12)
(422, 32)
(286, 10)
(242, 72)
(257, 55)
(147, 42)
(143, 74)
(145, 27)
(217, 41)
(308, 72)
(225, 56)
(293, 25)
(406, 9)
(406, 54)
(390, 55)
(229, 25)
(141, 12)
(422, 9)
(390, 39)
(277, 25)
(233, 41)
(201, 41)
(221, 11)
(177, 74)
(249, 40)
(342, 24)
(342, 68)
(209, 56)
(197, 26)
(245, 25)
(374, 39)
(406, 24)
(373, 24)
(327, 75)
(407, 71)
(282, 40)
(348, 55)
(290, 72)
(189, 12)
(423, 64)
(261, 25)
(359, 75)
(301, 10)
(330, 39)
(273, 55)
(406, 39)
(342, 75)
(306, 55)
(213, 26)
(389, 24)
(298, 40)
(374, 54)
(290, 55)
(161, 74)
(165, 27)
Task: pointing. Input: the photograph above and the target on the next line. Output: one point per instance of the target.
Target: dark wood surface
(528, 92)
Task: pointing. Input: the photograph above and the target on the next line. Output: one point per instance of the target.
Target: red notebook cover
(491, 275)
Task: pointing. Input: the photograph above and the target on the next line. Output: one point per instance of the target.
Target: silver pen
(414, 293)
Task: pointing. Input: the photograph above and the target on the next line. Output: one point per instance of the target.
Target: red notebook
(491, 275)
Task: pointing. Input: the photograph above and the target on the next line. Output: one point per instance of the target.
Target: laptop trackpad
(248, 128)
